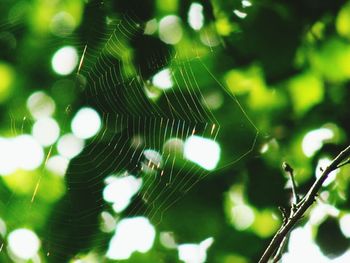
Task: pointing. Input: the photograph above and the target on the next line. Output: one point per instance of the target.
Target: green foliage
(277, 73)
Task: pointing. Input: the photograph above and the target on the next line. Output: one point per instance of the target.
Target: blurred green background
(154, 131)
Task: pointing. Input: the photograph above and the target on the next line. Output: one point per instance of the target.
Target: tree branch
(303, 205)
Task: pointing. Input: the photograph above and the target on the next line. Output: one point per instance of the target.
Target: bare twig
(344, 163)
(279, 252)
(294, 204)
(289, 170)
(303, 205)
(284, 214)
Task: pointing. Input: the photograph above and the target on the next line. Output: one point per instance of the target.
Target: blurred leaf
(266, 223)
(7, 77)
(306, 91)
(332, 60)
(232, 258)
(343, 21)
(167, 6)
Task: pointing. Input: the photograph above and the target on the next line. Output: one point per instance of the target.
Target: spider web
(145, 127)
(180, 112)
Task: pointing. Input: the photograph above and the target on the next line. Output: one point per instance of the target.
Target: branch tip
(280, 237)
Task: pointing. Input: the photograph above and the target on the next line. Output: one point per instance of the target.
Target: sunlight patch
(213, 100)
(174, 146)
(163, 79)
(170, 30)
(320, 211)
(151, 27)
(120, 190)
(322, 164)
(240, 14)
(23, 243)
(131, 234)
(57, 164)
(242, 216)
(62, 24)
(202, 151)
(22, 152)
(209, 37)
(108, 222)
(7, 157)
(153, 160)
(313, 140)
(69, 145)
(195, 253)
(86, 123)
(195, 16)
(246, 3)
(167, 240)
(65, 60)
(40, 105)
(29, 153)
(46, 131)
(344, 223)
(300, 244)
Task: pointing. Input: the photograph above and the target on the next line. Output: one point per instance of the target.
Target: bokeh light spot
(163, 79)
(242, 216)
(209, 37)
(29, 153)
(195, 16)
(120, 190)
(344, 223)
(8, 163)
(301, 244)
(62, 24)
(170, 30)
(240, 14)
(313, 140)
(46, 131)
(167, 240)
(57, 164)
(40, 105)
(321, 165)
(65, 60)
(195, 253)
(213, 100)
(23, 243)
(151, 27)
(86, 123)
(202, 151)
(69, 145)
(108, 222)
(153, 158)
(246, 3)
(174, 146)
(131, 234)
